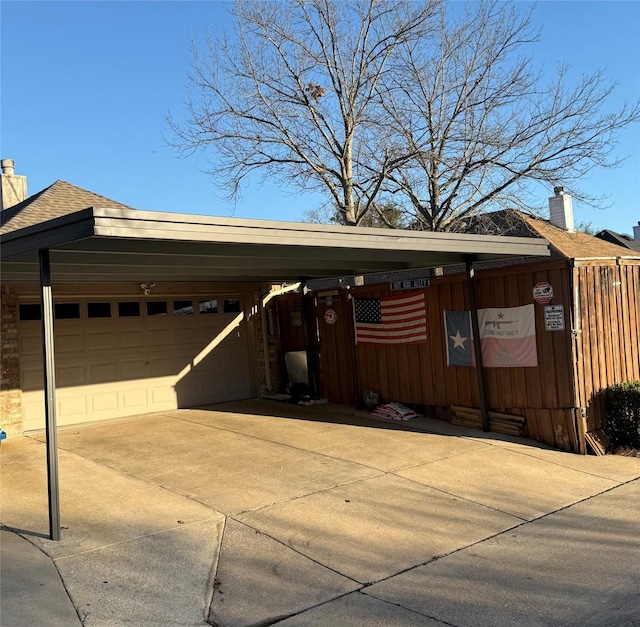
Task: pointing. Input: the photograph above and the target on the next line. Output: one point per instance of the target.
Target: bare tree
(294, 96)
(431, 107)
(383, 215)
(482, 124)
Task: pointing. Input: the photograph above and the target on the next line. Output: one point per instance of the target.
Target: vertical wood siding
(417, 375)
(573, 368)
(608, 338)
(335, 350)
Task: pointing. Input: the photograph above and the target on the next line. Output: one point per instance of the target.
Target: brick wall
(10, 392)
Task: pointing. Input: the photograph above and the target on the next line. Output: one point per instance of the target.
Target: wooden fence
(607, 338)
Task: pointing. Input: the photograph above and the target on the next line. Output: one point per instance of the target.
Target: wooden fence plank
(404, 374)
(575, 328)
(561, 340)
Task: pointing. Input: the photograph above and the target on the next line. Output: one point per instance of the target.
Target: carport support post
(471, 278)
(49, 369)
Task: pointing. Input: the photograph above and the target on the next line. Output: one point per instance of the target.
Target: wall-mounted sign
(330, 316)
(409, 284)
(554, 317)
(542, 293)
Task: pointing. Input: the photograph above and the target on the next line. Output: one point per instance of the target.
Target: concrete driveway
(260, 513)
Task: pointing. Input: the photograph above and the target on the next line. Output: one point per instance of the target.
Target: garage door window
(128, 309)
(157, 308)
(30, 311)
(208, 306)
(231, 306)
(182, 307)
(67, 311)
(98, 310)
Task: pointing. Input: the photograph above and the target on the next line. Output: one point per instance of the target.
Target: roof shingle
(620, 239)
(59, 199)
(574, 245)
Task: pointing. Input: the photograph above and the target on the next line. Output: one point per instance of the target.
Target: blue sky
(86, 87)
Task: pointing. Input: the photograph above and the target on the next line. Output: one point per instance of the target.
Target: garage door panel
(162, 395)
(69, 343)
(182, 358)
(161, 367)
(72, 409)
(159, 337)
(102, 373)
(31, 378)
(104, 402)
(128, 370)
(219, 332)
(130, 339)
(33, 409)
(30, 346)
(183, 337)
(188, 394)
(209, 358)
(235, 360)
(202, 344)
(237, 386)
(103, 341)
(70, 375)
(134, 398)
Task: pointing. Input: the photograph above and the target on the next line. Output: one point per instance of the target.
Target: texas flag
(507, 337)
(459, 338)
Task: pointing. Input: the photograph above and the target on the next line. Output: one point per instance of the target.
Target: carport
(97, 245)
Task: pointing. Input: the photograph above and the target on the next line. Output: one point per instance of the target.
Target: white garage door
(117, 358)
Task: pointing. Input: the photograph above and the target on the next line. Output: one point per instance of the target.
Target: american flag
(391, 319)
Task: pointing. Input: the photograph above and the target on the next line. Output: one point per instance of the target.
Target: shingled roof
(575, 245)
(620, 239)
(59, 199)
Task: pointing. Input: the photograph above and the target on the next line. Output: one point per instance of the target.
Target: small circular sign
(330, 316)
(542, 293)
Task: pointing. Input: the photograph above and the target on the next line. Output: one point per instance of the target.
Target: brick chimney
(561, 210)
(636, 232)
(13, 187)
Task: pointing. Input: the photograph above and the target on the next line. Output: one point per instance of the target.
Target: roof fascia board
(289, 234)
(63, 230)
(279, 225)
(130, 224)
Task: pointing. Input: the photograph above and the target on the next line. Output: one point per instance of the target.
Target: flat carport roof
(104, 245)
(124, 245)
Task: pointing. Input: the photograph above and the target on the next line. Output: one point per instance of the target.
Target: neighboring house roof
(620, 239)
(59, 199)
(575, 245)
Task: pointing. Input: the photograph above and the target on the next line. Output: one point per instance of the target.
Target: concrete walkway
(31, 591)
(258, 513)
